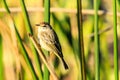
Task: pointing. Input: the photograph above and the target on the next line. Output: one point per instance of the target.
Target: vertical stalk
(80, 39)
(23, 51)
(29, 30)
(46, 19)
(47, 11)
(96, 37)
(115, 41)
(1, 59)
(26, 17)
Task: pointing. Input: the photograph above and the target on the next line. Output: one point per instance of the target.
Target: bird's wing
(52, 40)
(47, 37)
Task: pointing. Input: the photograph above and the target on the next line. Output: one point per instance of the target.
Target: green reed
(22, 48)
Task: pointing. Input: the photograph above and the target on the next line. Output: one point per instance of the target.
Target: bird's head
(44, 25)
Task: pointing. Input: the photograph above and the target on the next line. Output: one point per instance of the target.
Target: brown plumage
(48, 40)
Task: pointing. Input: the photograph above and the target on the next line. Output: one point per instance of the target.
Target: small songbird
(49, 41)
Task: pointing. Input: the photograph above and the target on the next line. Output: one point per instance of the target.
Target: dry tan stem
(100, 32)
(37, 46)
(63, 10)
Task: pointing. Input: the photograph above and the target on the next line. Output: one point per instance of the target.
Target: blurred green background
(63, 19)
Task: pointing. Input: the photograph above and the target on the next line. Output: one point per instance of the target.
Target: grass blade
(80, 40)
(29, 30)
(46, 19)
(24, 53)
(96, 37)
(116, 70)
(1, 59)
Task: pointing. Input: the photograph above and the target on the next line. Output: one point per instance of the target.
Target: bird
(49, 41)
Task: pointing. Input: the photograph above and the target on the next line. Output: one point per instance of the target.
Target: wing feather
(52, 41)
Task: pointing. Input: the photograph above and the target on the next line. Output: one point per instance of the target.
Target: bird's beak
(37, 25)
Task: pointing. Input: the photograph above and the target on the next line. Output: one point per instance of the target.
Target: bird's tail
(65, 64)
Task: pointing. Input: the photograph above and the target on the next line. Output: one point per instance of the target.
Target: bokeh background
(63, 19)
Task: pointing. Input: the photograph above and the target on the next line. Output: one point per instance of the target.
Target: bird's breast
(44, 45)
(42, 41)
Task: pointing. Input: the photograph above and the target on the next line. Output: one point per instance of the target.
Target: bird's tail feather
(65, 64)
